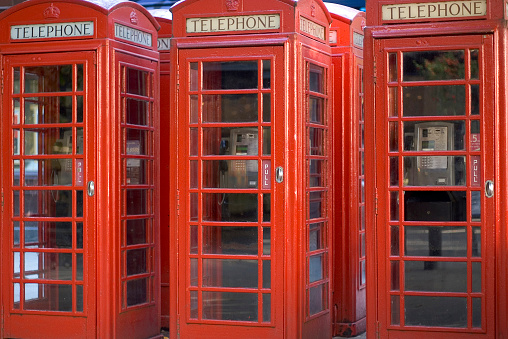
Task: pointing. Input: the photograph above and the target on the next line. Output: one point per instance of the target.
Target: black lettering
(222, 24)
(231, 23)
(42, 32)
(78, 29)
(17, 29)
(87, 29)
(58, 30)
(50, 30)
(68, 30)
(432, 9)
(410, 16)
(477, 8)
(466, 7)
(452, 6)
(26, 31)
(401, 13)
(242, 23)
(271, 21)
(204, 27)
(261, 22)
(442, 9)
(421, 8)
(251, 23)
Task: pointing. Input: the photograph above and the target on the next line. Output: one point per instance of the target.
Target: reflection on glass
(233, 306)
(267, 141)
(316, 267)
(362, 217)
(48, 110)
(15, 231)
(193, 76)
(316, 141)
(393, 69)
(433, 65)
(80, 77)
(394, 136)
(267, 107)
(136, 141)
(230, 174)
(230, 273)
(318, 300)
(316, 79)
(441, 276)
(267, 241)
(395, 308)
(136, 231)
(267, 64)
(230, 75)
(474, 64)
(394, 171)
(15, 203)
(230, 108)
(393, 102)
(51, 172)
(44, 79)
(16, 106)
(16, 172)
(137, 82)
(136, 171)
(267, 273)
(48, 141)
(476, 207)
(136, 201)
(40, 234)
(136, 261)
(316, 173)
(16, 80)
(394, 240)
(316, 110)
(136, 112)
(477, 242)
(230, 240)
(16, 141)
(434, 100)
(316, 204)
(193, 174)
(194, 109)
(194, 304)
(394, 206)
(49, 266)
(477, 276)
(477, 312)
(449, 241)
(193, 239)
(193, 206)
(194, 141)
(435, 171)
(79, 266)
(52, 204)
(316, 234)
(395, 275)
(59, 297)
(194, 272)
(240, 207)
(435, 206)
(136, 292)
(436, 311)
(475, 99)
(267, 307)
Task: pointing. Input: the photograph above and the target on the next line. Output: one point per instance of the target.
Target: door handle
(279, 174)
(489, 188)
(91, 188)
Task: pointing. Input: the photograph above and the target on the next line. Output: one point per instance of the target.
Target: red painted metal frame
(106, 317)
(439, 34)
(349, 302)
(290, 50)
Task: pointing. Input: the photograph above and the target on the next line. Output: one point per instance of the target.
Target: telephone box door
(47, 234)
(434, 164)
(230, 227)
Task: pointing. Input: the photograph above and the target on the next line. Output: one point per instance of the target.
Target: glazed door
(230, 187)
(435, 167)
(47, 230)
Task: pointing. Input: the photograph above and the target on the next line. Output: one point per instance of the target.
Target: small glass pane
(393, 67)
(316, 79)
(317, 170)
(48, 141)
(267, 241)
(230, 108)
(435, 276)
(318, 300)
(434, 135)
(267, 274)
(79, 298)
(79, 235)
(362, 217)
(137, 82)
(317, 205)
(434, 171)
(16, 80)
(54, 172)
(193, 76)
(230, 75)
(43, 79)
(440, 241)
(267, 64)
(476, 207)
(477, 277)
(267, 107)
(17, 295)
(16, 107)
(16, 233)
(395, 308)
(267, 307)
(395, 275)
(136, 142)
(316, 234)
(49, 266)
(477, 242)
(194, 173)
(194, 239)
(434, 100)
(79, 140)
(267, 206)
(136, 171)
(394, 206)
(16, 174)
(79, 108)
(232, 306)
(48, 110)
(394, 136)
(394, 171)
(136, 261)
(194, 303)
(48, 297)
(40, 234)
(435, 206)
(316, 110)
(267, 141)
(316, 141)
(475, 137)
(136, 201)
(16, 142)
(477, 312)
(393, 102)
(230, 174)
(194, 206)
(394, 241)
(474, 53)
(436, 311)
(79, 77)
(137, 292)
(239, 207)
(194, 109)
(229, 141)
(475, 99)
(136, 112)
(230, 240)
(79, 266)
(434, 65)
(17, 264)
(316, 268)
(15, 203)
(52, 204)
(194, 141)
(136, 231)
(194, 272)
(230, 273)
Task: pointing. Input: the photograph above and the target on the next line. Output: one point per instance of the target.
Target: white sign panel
(358, 39)
(312, 28)
(163, 44)
(133, 35)
(435, 10)
(53, 30)
(257, 22)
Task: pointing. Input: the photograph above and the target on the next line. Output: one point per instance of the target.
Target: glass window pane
(43, 79)
(230, 240)
(44, 141)
(239, 207)
(318, 300)
(16, 233)
(16, 174)
(395, 308)
(434, 171)
(137, 82)
(230, 306)
(434, 100)
(267, 141)
(435, 206)
(230, 141)
(136, 231)
(395, 275)
(477, 242)
(194, 141)
(267, 274)
(16, 80)
(40, 234)
(230, 174)
(267, 241)
(193, 174)
(316, 141)
(79, 235)
(316, 236)
(267, 207)
(136, 261)
(476, 207)
(434, 135)
(136, 142)
(316, 263)
(477, 276)
(317, 170)
(136, 171)
(394, 136)
(194, 109)
(230, 108)
(436, 311)
(267, 107)
(230, 273)
(16, 141)
(474, 64)
(435, 241)
(433, 65)
(394, 241)
(54, 172)
(267, 307)
(80, 77)
(194, 303)
(475, 99)
(194, 272)
(393, 67)
(137, 200)
(435, 276)
(79, 298)
(267, 64)
(193, 76)
(49, 266)
(394, 206)
(316, 110)
(393, 102)
(16, 107)
(136, 112)
(394, 171)
(230, 75)
(52, 204)
(79, 108)
(477, 312)
(316, 79)
(48, 297)
(137, 292)
(193, 239)
(317, 205)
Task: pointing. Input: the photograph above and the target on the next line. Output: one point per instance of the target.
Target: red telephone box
(164, 18)
(349, 270)
(79, 170)
(251, 184)
(436, 169)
